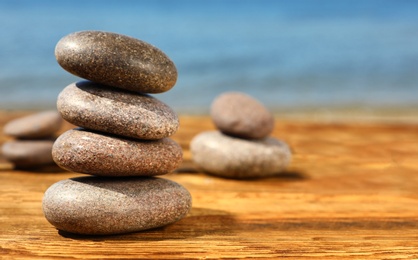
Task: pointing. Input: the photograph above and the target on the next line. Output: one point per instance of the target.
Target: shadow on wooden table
(52, 168)
(199, 222)
(47, 168)
(285, 175)
(291, 176)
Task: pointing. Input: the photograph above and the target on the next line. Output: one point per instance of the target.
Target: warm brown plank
(351, 192)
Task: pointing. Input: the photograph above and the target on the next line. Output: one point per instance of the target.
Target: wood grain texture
(351, 192)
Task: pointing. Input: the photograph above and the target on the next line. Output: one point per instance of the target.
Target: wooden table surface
(351, 192)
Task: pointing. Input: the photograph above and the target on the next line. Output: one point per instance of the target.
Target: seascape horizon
(290, 55)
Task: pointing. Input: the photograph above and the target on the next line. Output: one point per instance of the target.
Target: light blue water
(288, 54)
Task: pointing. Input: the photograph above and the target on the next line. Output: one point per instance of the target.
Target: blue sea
(294, 54)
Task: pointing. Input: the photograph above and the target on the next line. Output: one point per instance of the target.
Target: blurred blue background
(291, 55)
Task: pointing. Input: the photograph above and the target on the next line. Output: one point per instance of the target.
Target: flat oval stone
(39, 125)
(241, 115)
(233, 157)
(116, 60)
(87, 152)
(97, 107)
(105, 206)
(28, 153)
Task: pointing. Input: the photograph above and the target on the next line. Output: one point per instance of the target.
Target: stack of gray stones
(122, 140)
(241, 147)
(32, 139)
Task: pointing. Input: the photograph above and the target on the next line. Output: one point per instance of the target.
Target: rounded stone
(116, 60)
(39, 125)
(88, 152)
(233, 157)
(28, 153)
(238, 114)
(105, 206)
(97, 107)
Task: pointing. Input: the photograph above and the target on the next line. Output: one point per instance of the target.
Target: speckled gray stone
(39, 125)
(233, 157)
(28, 153)
(87, 152)
(116, 60)
(105, 206)
(94, 106)
(238, 114)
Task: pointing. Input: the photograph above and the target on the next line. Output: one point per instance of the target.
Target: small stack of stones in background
(122, 140)
(241, 148)
(33, 137)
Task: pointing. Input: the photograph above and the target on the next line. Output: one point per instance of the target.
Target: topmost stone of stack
(116, 60)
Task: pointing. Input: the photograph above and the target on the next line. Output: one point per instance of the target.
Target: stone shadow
(291, 176)
(189, 167)
(199, 222)
(52, 168)
(285, 175)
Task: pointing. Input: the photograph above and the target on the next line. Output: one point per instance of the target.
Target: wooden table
(350, 192)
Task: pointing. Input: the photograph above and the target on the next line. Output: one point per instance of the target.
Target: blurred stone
(240, 115)
(233, 157)
(28, 153)
(35, 126)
